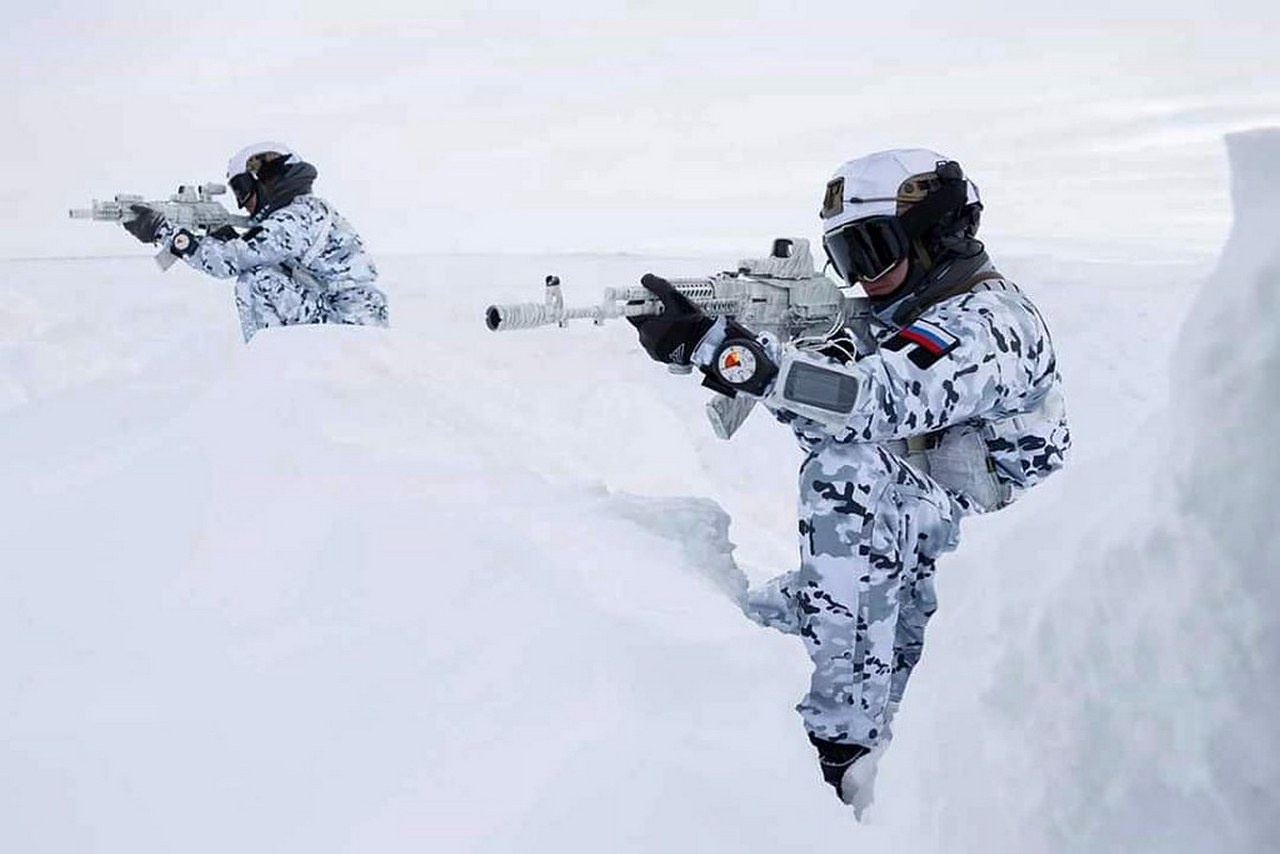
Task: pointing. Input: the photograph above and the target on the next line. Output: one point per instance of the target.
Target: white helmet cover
(239, 161)
(880, 184)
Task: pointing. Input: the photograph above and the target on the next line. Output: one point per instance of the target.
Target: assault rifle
(782, 295)
(192, 208)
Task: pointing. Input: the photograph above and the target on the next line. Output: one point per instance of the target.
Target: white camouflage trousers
(268, 296)
(871, 529)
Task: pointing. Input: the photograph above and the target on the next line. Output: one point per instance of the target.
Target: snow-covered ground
(436, 588)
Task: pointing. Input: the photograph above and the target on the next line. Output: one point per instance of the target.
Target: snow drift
(356, 592)
(432, 588)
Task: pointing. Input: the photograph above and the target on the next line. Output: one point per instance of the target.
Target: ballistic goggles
(866, 249)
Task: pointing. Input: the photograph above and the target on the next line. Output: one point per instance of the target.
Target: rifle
(782, 295)
(192, 208)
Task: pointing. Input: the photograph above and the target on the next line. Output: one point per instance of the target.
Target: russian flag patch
(927, 341)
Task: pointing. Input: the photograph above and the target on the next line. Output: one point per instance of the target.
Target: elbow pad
(814, 387)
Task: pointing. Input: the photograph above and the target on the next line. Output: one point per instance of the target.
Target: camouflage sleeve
(963, 359)
(280, 238)
(966, 358)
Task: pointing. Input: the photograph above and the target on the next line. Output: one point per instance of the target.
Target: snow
(439, 588)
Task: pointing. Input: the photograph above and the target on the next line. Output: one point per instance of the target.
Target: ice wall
(1228, 492)
(1141, 703)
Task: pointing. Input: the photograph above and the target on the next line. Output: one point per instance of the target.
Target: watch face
(181, 242)
(736, 364)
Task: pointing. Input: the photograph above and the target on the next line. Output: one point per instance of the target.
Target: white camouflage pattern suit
(284, 278)
(872, 522)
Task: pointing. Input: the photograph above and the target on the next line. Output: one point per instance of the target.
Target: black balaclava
(280, 181)
(941, 259)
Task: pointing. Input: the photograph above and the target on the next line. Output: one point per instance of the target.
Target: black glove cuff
(224, 233)
(712, 381)
(183, 243)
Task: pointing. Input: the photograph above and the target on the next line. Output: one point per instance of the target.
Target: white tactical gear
(303, 263)
(954, 412)
(969, 390)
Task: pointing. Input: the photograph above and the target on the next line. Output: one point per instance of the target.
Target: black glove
(145, 223)
(224, 233)
(671, 336)
(835, 758)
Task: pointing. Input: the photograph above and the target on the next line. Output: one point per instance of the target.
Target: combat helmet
(255, 165)
(906, 203)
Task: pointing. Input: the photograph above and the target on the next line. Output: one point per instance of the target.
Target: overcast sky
(634, 127)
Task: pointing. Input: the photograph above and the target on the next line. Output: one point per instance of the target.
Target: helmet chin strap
(921, 262)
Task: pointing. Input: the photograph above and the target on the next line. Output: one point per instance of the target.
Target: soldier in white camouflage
(300, 262)
(942, 401)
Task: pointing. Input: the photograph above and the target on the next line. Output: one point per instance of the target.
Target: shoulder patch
(927, 341)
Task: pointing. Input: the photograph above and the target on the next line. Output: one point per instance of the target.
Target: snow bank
(1136, 709)
(335, 600)
(436, 588)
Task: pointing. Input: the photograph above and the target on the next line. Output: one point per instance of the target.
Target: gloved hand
(671, 336)
(835, 758)
(224, 233)
(145, 223)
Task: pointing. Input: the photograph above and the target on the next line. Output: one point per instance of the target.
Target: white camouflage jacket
(969, 391)
(287, 238)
